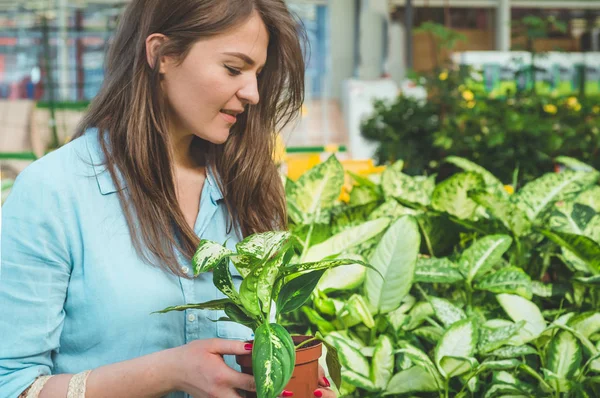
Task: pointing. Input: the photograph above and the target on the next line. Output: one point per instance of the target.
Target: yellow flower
(577, 108)
(443, 76)
(471, 104)
(550, 108)
(468, 96)
(572, 102)
(344, 195)
(509, 189)
(596, 109)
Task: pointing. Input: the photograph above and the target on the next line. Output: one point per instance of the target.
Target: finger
(229, 347)
(239, 380)
(323, 380)
(324, 393)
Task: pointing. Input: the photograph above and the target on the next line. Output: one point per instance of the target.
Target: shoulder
(58, 171)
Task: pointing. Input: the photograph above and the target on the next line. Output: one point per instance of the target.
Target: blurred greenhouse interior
(52, 53)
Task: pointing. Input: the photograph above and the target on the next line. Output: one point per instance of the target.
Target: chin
(217, 139)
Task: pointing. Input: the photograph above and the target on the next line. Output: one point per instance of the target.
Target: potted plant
(270, 277)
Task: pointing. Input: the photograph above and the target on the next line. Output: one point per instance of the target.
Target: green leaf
(446, 312)
(590, 198)
(535, 197)
(574, 164)
(236, 314)
(590, 280)
(363, 181)
(345, 277)
(456, 365)
(347, 239)
(273, 359)
(324, 326)
(223, 281)
(294, 293)
(391, 209)
(507, 280)
(496, 338)
(208, 255)
(421, 359)
(317, 189)
(493, 184)
(513, 218)
(563, 357)
(503, 364)
(432, 334)
(482, 255)
(263, 245)
(398, 185)
(418, 314)
(452, 195)
(395, 258)
(358, 380)
(437, 270)
(332, 359)
(459, 340)
(361, 195)
(325, 264)
(587, 323)
(513, 351)
(382, 366)
(209, 305)
(350, 357)
(521, 309)
(583, 247)
(412, 380)
(344, 217)
(354, 312)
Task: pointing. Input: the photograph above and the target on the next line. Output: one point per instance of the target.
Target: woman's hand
(202, 373)
(324, 384)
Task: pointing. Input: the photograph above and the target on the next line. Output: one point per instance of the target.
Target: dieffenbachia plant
(498, 294)
(270, 277)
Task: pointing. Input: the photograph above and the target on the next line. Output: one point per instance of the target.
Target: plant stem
(306, 342)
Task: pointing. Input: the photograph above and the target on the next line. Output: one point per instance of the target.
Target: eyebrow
(243, 57)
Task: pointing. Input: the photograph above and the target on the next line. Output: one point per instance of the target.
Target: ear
(153, 44)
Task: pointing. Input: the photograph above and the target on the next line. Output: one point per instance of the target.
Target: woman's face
(216, 81)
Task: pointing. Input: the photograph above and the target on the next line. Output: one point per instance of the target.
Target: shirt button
(185, 270)
(191, 317)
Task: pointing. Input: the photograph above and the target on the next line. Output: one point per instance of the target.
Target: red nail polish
(318, 393)
(287, 393)
(248, 346)
(327, 383)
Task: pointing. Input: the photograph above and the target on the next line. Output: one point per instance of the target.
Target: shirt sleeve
(34, 276)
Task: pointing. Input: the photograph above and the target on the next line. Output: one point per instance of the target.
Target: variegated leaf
(273, 359)
(382, 366)
(263, 245)
(460, 340)
(513, 218)
(317, 189)
(586, 249)
(452, 195)
(345, 277)
(521, 309)
(208, 255)
(492, 339)
(419, 358)
(482, 255)
(563, 358)
(391, 209)
(398, 185)
(513, 351)
(209, 305)
(437, 270)
(410, 381)
(446, 312)
(507, 280)
(223, 281)
(536, 196)
(492, 183)
(350, 357)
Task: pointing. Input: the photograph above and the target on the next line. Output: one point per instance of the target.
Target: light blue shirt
(74, 294)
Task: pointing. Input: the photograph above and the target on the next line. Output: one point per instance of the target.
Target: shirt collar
(105, 181)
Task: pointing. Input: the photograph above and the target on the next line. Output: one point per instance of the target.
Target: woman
(100, 233)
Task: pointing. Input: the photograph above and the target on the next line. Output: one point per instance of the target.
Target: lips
(228, 118)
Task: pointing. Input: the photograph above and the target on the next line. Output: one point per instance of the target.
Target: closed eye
(233, 71)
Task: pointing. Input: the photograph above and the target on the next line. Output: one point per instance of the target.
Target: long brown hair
(131, 110)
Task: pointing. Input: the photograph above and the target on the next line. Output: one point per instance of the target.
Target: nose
(248, 94)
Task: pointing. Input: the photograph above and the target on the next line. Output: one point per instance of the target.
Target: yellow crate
(299, 163)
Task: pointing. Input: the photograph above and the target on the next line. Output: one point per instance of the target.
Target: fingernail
(327, 383)
(287, 393)
(248, 346)
(318, 393)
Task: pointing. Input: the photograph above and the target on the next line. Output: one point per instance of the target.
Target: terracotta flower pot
(305, 378)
